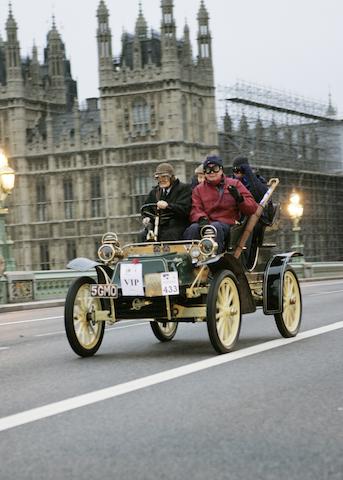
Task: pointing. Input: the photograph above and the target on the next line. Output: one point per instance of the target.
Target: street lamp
(7, 177)
(296, 210)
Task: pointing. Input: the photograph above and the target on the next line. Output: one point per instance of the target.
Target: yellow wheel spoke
(228, 312)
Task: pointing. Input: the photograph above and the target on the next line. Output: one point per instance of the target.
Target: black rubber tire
(289, 310)
(81, 349)
(160, 334)
(223, 282)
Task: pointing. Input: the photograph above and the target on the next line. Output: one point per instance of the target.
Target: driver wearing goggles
(172, 201)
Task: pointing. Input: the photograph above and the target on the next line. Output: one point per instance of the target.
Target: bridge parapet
(19, 287)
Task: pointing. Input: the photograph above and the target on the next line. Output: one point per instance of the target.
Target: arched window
(104, 49)
(41, 202)
(204, 50)
(184, 113)
(201, 120)
(68, 198)
(140, 115)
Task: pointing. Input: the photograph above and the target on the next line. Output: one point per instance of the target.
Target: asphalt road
(139, 409)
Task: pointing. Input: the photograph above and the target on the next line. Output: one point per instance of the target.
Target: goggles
(162, 176)
(236, 170)
(212, 169)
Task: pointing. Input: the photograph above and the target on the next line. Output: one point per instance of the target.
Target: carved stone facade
(81, 172)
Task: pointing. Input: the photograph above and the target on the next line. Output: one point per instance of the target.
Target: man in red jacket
(219, 201)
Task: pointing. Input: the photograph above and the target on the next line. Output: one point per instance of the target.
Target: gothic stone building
(82, 172)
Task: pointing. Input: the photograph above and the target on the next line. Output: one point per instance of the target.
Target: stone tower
(84, 171)
(31, 96)
(157, 101)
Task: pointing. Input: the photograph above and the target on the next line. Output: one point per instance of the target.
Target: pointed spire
(34, 53)
(141, 25)
(186, 30)
(53, 34)
(11, 24)
(331, 111)
(102, 10)
(203, 13)
(104, 38)
(227, 122)
(187, 46)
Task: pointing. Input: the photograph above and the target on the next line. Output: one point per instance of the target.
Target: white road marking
(324, 293)
(29, 321)
(107, 329)
(50, 334)
(45, 319)
(319, 284)
(4, 348)
(127, 326)
(73, 403)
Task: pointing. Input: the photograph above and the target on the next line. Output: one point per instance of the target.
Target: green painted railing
(18, 287)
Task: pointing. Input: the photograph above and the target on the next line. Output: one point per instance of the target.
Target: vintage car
(184, 281)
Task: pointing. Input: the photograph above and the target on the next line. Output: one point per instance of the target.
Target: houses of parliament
(83, 171)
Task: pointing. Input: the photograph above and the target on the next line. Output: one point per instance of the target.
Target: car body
(184, 281)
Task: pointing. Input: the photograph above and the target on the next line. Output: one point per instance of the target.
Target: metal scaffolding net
(299, 141)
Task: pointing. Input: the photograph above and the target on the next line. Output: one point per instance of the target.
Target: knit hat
(199, 169)
(165, 169)
(213, 160)
(239, 161)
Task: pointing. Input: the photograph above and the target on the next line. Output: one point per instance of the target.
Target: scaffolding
(299, 141)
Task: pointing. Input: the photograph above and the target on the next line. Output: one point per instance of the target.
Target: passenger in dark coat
(256, 185)
(174, 201)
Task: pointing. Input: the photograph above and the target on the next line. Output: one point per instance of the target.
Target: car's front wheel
(164, 331)
(223, 311)
(83, 333)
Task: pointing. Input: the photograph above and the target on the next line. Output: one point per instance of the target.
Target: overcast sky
(291, 45)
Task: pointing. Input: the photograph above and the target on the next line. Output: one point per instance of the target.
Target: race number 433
(170, 283)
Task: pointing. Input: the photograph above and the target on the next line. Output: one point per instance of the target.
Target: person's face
(238, 173)
(164, 180)
(200, 177)
(213, 172)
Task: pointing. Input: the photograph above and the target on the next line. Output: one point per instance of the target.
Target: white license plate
(104, 290)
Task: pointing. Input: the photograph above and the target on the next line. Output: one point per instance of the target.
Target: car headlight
(110, 237)
(194, 252)
(208, 247)
(106, 252)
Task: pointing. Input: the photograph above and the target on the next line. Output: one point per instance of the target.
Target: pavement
(13, 307)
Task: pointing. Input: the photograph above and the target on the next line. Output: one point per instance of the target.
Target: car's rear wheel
(164, 331)
(223, 311)
(83, 333)
(288, 322)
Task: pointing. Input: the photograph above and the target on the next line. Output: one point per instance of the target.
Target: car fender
(229, 262)
(82, 264)
(273, 282)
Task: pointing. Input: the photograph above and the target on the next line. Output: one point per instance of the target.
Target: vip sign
(131, 279)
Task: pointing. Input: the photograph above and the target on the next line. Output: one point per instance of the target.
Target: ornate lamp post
(296, 210)
(7, 177)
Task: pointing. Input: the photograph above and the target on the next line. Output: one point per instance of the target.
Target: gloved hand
(235, 193)
(146, 221)
(203, 221)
